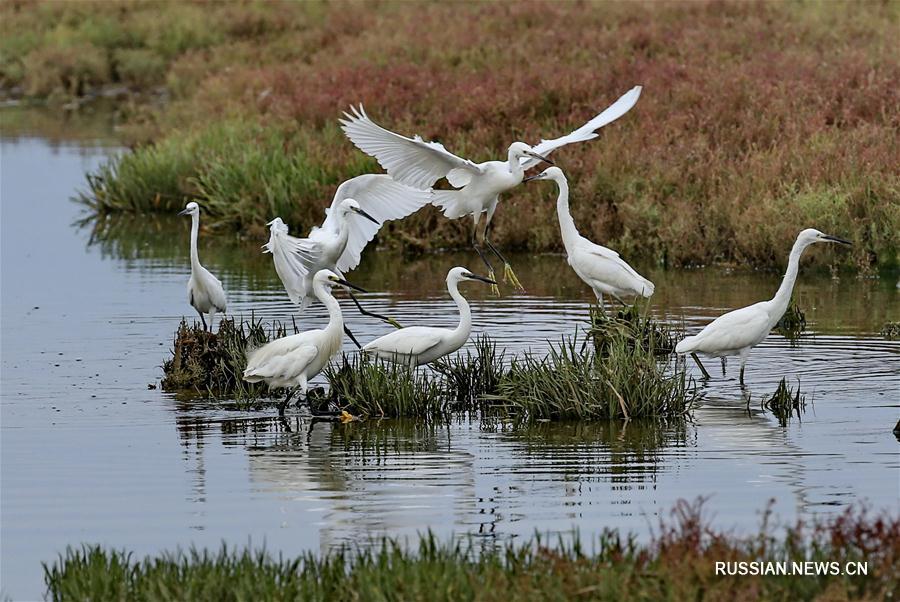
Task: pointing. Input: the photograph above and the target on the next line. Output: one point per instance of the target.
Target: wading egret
(338, 244)
(420, 164)
(417, 345)
(205, 292)
(600, 268)
(739, 331)
(290, 362)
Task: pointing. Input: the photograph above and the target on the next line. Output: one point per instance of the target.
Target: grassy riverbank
(678, 564)
(757, 119)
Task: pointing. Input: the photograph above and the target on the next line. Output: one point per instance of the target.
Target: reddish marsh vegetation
(757, 119)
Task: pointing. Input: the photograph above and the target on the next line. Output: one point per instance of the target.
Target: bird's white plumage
(599, 267)
(418, 345)
(291, 361)
(589, 130)
(412, 161)
(740, 330)
(205, 292)
(338, 244)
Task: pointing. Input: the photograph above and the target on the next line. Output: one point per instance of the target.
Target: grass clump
(890, 330)
(784, 403)
(209, 363)
(368, 386)
(470, 377)
(677, 564)
(627, 381)
(793, 323)
(635, 326)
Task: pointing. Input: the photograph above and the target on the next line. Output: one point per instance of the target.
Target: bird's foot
(346, 417)
(393, 322)
(510, 276)
(495, 290)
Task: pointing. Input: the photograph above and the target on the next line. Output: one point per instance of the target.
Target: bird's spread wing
(294, 259)
(414, 340)
(589, 130)
(380, 196)
(412, 161)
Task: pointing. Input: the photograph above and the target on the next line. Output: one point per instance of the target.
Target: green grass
(785, 403)
(677, 564)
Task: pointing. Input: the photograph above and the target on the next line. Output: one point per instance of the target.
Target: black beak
(534, 177)
(837, 240)
(541, 157)
(343, 282)
(184, 212)
(481, 278)
(367, 216)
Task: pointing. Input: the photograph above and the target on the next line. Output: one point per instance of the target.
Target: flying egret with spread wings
(338, 244)
(290, 362)
(417, 345)
(205, 292)
(421, 164)
(600, 268)
(739, 331)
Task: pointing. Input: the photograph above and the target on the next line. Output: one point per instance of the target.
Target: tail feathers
(451, 202)
(647, 288)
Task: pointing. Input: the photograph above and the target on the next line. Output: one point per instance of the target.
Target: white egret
(420, 164)
(290, 362)
(739, 331)
(417, 345)
(600, 268)
(338, 244)
(205, 292)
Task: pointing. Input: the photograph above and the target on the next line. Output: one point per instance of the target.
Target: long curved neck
(335, 317)
(566, 223)
(195, 229)
(783, 296)
(461, 332)
(515, 165)
(343, 228)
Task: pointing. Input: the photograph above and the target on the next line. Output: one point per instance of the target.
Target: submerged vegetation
(784, 403)
(677, 564)
(757, 119)
(891, 330)
(203, 362)
(627, 378)
(792, 323)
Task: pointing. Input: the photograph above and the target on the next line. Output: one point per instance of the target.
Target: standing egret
(739, 331)
(600, 268)
(417, 345)
(293, 360)
(338, 244)
(418, 163)
(205, 292)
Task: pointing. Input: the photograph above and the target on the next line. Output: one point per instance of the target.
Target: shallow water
(90, 454)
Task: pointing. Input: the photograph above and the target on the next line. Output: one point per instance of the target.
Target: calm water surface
(90, 454)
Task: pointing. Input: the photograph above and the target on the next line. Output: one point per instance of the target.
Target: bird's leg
(287, 399)
(212, 319)
(202, 319)
(352, 338)
(742, 375)
(724, 363)
(700, 364)
(508, 274)
(495, 291)
(366, 312)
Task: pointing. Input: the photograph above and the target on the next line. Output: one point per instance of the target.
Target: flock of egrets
(311, 267)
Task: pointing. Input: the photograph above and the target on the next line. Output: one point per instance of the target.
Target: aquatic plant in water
(206, 363)
(784, 403)
(793, 322)
(890, 330)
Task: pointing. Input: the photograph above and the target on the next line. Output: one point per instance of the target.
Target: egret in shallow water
(417, 345)
(420, 164)
(338, 244)
(600, 268)
(290, 362)
(205, 292)
(739, 331)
